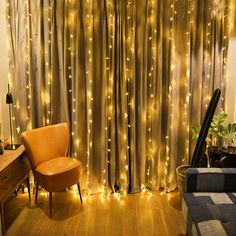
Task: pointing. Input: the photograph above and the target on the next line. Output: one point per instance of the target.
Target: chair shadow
(64, 205)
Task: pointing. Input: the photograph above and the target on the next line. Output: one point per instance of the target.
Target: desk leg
(1, 220)
(28, 186)
(36, 192)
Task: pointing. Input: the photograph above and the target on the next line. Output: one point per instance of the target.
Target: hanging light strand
(71, 74)
(11, 62)
(48, 67)
(28, 43)
(208, 64)
(109, 92)
(127, 82)
(187, 82)
(170, 95)
(226, 32)
(150, 87)
(89, 83)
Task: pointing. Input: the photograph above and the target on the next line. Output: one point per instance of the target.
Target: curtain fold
(130, 77)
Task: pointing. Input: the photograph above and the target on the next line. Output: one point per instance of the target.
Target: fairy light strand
(71, 75)
(170, 95)
(89, 82)
(109, 106)
(129, 76)
(187, 82)
(207, 57)
(226, 30)
(128, 69)
(11, 63)
(150, 86)
(49, 66)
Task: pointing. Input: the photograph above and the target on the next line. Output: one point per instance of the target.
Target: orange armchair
(47, 148)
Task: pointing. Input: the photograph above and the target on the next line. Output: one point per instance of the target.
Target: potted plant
(214, 138)
(199, 150)
(221, 139)
(228, 135)
(214, 149)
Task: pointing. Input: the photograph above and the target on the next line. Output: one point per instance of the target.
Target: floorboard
(135, 214)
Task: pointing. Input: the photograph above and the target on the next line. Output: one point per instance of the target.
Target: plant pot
(228, 159)
(214, 154)
(229, 151)
(181, 178)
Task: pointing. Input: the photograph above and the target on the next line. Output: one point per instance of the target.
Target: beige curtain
(130, 77)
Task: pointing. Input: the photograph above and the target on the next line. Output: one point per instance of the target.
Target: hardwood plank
(134, 214)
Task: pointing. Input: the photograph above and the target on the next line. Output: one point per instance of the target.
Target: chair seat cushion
(210, 213)
(58, 173)
(57, 165)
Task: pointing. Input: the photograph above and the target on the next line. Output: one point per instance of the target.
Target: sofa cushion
(208, 213)
(211, 179)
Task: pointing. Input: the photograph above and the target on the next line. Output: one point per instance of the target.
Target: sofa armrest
(211, 179)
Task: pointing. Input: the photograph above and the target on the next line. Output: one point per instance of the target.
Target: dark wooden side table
(14, 170)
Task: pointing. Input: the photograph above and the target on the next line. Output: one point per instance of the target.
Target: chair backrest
(46, 143)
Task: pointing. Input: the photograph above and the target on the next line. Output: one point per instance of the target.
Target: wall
(4, 118)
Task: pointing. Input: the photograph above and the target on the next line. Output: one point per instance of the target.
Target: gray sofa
(209, 205)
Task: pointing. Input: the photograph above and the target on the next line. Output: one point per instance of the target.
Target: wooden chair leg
(28, 186)
(50, 204)
(80, 193)
(36, 192)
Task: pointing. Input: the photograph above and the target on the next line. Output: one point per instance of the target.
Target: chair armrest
(211, 179)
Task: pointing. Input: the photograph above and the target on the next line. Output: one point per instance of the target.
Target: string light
(151, 76)
(73, 52)
(22, 113)
(187, 83)
(109, 114)
(128, 74)
(89, 83)
(226, 32)
(28, 64)
(48, 68)
(172, 89)
(10, 57)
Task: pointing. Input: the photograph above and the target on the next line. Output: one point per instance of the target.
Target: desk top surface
(9, 156)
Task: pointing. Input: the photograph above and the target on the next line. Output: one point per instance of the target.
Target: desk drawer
(5, 176)
(20, 167)
(6, 189)
(13, 174)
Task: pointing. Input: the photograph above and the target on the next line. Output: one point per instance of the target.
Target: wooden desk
(14, 170)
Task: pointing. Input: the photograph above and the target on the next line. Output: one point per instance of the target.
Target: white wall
(4, 118)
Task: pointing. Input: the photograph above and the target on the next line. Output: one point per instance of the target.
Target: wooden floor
(134, 214)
